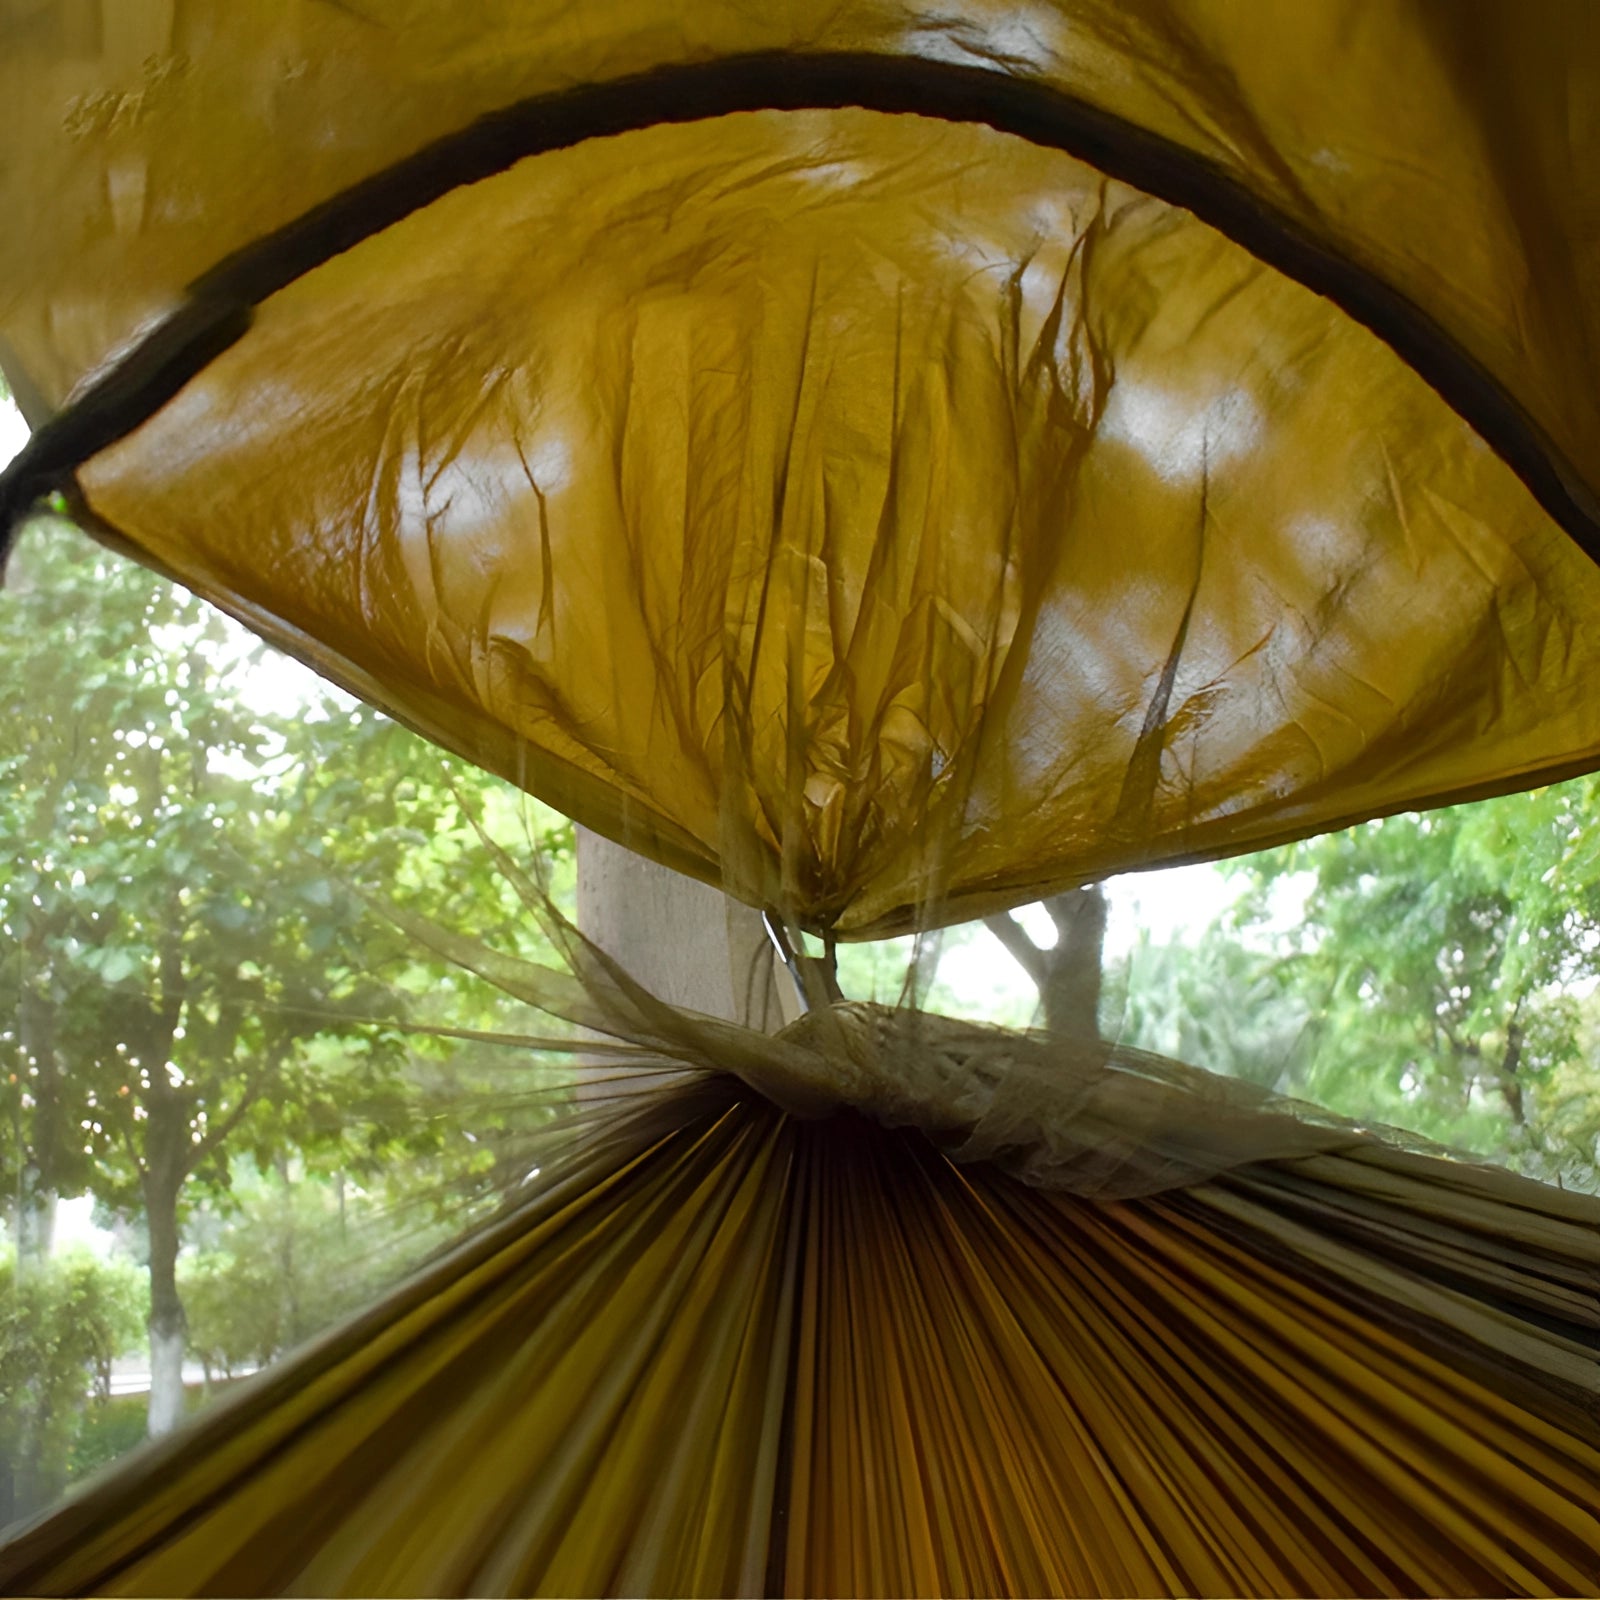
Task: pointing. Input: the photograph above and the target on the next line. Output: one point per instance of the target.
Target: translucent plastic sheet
(884, 519)
(1443, 148)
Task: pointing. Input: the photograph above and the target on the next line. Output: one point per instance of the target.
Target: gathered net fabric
(1086, 1116)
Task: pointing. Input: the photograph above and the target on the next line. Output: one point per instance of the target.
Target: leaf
(119, 964)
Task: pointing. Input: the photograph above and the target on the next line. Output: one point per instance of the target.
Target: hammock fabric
(725, 1350)
(893, 462)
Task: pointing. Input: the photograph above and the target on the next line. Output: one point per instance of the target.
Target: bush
(63, 1322)
(107, 1429)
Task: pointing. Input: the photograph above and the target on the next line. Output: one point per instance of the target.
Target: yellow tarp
(889, 515)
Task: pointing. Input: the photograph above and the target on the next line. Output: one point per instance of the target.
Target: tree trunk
(38, 1181)
(288, 1278)
(167, 1156)
(24, 1479)
(1071, 992)
(35, 1218)
(1068, 974)
(168, 1325)
(1510, 1083)
(683, 940)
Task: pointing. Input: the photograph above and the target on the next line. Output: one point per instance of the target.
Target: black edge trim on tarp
(221, 302)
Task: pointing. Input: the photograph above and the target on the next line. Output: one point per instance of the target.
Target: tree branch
(217, 1136)
(1511, 1064)
(173, 979)
(1014, 937)
(1065, 909)
(125, 1128)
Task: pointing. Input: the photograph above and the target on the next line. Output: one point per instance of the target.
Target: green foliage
(163, 928)
(106, 1429)
(293, 1257)
(197, 975)
(193, 975)
(111, 1427)
(1444, 961)
(1215, 1003)
(63, 1323)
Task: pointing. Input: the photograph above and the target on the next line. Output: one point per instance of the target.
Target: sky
(1173, 904)
(13, 430)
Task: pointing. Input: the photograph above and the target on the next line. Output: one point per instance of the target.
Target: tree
(62, 1325)
(193, 976)
(1443, 958)
(1216, 1003)
(287, 1262)
(161, 920)
(1069, 973)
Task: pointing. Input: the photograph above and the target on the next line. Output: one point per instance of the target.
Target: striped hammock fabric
(724, 1349)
